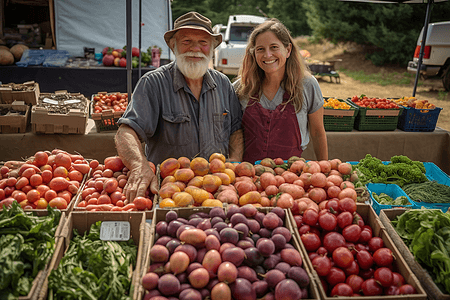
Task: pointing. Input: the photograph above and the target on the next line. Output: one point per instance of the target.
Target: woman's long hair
(251, 75)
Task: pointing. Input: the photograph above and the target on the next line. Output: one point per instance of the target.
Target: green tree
(389, 31)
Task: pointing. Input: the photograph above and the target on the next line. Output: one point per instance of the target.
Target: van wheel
(446, 79)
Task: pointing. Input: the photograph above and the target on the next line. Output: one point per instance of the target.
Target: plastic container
(392, 190)
(435, 173)
(339, 119)
(413, 119)
(373, 119)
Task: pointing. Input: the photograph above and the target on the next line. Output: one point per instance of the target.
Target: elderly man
(180, 109)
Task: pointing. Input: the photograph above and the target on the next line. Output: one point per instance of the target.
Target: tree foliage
(389, 31)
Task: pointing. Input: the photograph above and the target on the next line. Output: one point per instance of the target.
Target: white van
(229, 54)
(436, 58)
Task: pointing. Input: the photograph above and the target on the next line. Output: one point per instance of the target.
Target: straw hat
(193, 20)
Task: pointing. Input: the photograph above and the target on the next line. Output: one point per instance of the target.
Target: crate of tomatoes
(107, 108)
(375, 113)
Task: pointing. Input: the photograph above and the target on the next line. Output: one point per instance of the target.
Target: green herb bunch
(27, 243)
(94, 269)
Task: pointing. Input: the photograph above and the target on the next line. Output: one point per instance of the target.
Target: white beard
(192, 70)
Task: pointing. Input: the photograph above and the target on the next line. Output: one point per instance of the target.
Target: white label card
(50, 101)
(73, 101)
(115, 231)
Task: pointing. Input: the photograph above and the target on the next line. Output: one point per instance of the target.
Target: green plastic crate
(339, 119)
(369, 119)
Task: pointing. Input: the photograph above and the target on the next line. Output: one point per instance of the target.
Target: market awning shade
(425, 27)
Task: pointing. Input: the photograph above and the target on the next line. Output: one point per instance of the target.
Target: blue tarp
(45, 57)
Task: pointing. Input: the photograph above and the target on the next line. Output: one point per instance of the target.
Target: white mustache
(193, 54)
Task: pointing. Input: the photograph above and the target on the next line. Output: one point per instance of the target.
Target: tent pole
(422, 47)
(169, 27)
(129, 32)
(140, 36)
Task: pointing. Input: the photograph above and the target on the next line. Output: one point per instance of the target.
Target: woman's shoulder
(309, 81)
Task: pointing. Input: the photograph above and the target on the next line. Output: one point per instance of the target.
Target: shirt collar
(179, 81)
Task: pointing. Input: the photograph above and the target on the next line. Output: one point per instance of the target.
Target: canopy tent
(99, 24)
(425, 27)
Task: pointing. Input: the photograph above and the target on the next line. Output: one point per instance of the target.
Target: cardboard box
(9, 95)
(139, 231)
(433, 292)
(15, 122)
(40, 278)
(74, 122)
(370, 218)
(160, 214)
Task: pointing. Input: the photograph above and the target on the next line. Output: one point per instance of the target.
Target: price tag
(50, 101)
(115, 231)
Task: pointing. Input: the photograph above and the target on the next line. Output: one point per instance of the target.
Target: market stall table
(347, 146)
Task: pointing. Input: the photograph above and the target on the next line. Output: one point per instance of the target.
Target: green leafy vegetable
(400, 170)
(94, 269)
(388, 200)
(27, 244)
(427, 234)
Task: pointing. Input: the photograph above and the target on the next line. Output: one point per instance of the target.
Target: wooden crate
(15, 122)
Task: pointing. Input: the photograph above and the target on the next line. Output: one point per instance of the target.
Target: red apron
(271, 133)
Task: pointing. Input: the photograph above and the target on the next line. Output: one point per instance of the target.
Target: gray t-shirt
(313, 100)
(164, 115)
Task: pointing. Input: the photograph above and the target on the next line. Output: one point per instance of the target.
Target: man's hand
(139, 180)
(141, 175)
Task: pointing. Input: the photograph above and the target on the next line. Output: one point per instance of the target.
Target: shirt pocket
(177, 129)
(222, 126)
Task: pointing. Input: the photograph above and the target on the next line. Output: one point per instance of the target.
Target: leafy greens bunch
(94, 269)
(400, 170)
(427, 234)
(27, 244)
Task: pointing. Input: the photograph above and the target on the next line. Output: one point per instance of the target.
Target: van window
(240, 33)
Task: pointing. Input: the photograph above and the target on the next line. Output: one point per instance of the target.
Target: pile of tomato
(381, 103)
(110, 101)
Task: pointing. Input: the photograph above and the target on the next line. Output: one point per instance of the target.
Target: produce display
(243, 253)
(188, 182)
(400, 170)
(428, 192)
(371, 102)
(335, 104)
(94, 269)
(103, 191)
(346, 255)
(426, 234)
(383, 198)
(45, 179)
(117, 57)
(27, 243)
(415, 103)
(116, 102)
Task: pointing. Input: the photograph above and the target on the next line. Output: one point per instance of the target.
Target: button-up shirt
(168, 119)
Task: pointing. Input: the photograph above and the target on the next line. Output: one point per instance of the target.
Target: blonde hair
(251, 76)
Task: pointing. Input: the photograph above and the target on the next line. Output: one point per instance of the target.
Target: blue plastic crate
(435, 173)
(413, 119)
(392, 190)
